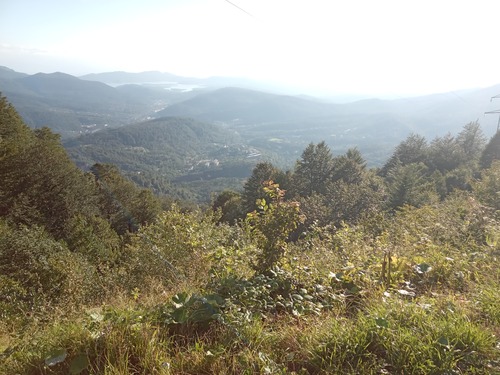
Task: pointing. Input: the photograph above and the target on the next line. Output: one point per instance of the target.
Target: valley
(97, 114)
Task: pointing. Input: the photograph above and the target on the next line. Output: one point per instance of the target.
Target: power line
(243, 10)
(495, 111)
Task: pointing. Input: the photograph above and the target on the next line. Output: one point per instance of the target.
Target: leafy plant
(190, 309)
(272, 223)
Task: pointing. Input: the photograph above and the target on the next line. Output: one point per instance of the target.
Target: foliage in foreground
(414, 293)
(382, 276)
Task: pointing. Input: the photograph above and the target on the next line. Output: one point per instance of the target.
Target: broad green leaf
(78, 364)
(56, 357)
(180, 315)
(180, 299)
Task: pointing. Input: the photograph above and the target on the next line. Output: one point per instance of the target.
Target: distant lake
(170, 86)
(184, 87)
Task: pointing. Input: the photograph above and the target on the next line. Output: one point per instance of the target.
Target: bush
(177, 248)
(40, 272)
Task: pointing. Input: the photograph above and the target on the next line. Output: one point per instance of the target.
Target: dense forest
(179, 157)
(329, 267)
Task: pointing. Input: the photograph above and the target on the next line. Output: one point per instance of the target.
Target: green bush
(39, 271)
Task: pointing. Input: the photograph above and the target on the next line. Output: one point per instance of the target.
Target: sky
(401, 47)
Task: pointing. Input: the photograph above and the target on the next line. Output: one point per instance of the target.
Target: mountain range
(263, 124)
(72, 106)
(287, 124)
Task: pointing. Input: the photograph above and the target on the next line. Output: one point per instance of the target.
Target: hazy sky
(344, 46)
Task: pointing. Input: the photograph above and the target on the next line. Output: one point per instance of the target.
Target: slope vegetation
(165, 149)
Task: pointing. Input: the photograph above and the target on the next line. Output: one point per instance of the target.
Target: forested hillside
(330, 267)
(71, 106)
(286, 124)
(180, 157)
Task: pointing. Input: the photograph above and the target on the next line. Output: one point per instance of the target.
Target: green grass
(341, 310)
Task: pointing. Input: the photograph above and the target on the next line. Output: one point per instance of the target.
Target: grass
(435, 310)
(391, 335)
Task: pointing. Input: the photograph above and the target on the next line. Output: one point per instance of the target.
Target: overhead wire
(240, 8)
(497, 111)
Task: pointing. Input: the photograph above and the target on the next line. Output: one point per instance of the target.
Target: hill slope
(243, 106)
(72, 106)
(155, 152)
(286, 124)
(7, 73)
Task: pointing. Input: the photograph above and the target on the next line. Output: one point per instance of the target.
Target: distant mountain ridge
(120, 78)
(244, 105)
(270, 123)
(69, 89)
(158, 78)
(432, 115)
(286, 124)
(72, 106)
(7, 73)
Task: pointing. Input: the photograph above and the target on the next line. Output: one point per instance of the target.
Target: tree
(177, 247)
(123, 203)
(349, 202)
(273, 221)
(13, 131)
(354, 155)
(491, 152)
(44, 268)
(410, 184)
(487, 189)
(93, 238)
(412, 150)
(40, 184)
(253, 188)
(313, 170)
(350, 192)
(471, 140)
(456, 157)
(231, 206)
(349, 168)
(445, 154)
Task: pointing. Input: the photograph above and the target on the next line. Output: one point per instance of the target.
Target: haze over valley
(101, 118)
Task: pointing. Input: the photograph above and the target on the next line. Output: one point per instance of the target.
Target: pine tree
(412, 150)
(410, 184)
(471, 141)
(253, 188)
(313, 170)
